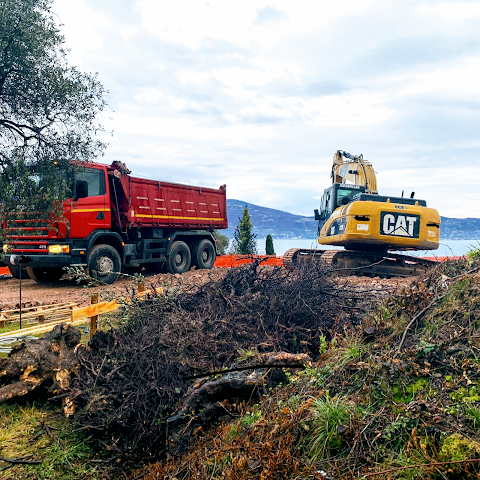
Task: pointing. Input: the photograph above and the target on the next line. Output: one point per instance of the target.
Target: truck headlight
(59, 249)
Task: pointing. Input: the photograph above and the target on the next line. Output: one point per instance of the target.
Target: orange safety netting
(4, 271)
(442, 259)
(229, 261)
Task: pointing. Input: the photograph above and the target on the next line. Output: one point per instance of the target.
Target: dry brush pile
(134, 389)
(397, 397)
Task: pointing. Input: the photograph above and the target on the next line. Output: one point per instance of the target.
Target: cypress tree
(269, 250)
(243, 239)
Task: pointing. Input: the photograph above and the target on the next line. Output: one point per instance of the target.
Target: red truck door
(90, 209)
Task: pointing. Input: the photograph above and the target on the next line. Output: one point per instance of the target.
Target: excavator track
(298, 256)
(354, 262)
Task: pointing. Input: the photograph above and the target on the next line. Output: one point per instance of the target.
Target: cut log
(48, 362)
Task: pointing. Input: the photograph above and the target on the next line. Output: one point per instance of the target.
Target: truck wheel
(178, 261)
(104, 264)
(45, 274)
(15, 271)
(203, 254)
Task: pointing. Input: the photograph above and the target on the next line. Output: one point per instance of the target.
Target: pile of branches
(406, 405)
(134, 381)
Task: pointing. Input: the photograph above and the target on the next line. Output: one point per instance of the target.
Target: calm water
(447, 247)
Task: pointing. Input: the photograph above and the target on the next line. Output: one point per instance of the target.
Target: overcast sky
(260, 94)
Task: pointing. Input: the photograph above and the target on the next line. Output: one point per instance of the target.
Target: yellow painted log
(95, 309)
(44, 328)
(26, 310)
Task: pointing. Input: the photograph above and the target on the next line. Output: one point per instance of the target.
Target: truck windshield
(89, 182)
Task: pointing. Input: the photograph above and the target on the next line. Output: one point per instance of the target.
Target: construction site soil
(66, 290)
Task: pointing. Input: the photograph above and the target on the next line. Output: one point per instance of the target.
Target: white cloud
(451, 11)
(189, 21)
(85, 26)
(259, 95)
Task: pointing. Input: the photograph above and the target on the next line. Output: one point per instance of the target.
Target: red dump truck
(116, 222)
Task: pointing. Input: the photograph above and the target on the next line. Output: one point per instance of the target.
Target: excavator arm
(355, 169)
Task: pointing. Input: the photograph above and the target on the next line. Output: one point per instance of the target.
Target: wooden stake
(41, 317)
(94, 318)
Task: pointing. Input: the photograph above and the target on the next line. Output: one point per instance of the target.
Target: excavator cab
(338, 195)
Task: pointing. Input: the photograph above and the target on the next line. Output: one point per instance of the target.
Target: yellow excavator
(369, 226)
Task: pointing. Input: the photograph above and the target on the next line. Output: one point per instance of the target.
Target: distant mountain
(270, 221)
(460, 228)
(286, 225)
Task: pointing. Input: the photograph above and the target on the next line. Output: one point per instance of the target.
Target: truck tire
(203, 254)
(15, 271)
(179, 258)
(104, 264)
(45, 274)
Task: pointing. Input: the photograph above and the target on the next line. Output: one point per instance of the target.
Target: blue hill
(286, 225)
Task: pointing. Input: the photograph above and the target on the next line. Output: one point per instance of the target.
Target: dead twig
(22, 460)
(415, 318)
(52, 436)
(469, 272)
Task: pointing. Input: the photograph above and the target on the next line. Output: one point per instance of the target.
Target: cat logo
(398, 225)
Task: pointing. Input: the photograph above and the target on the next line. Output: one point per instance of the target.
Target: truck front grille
(26, 233)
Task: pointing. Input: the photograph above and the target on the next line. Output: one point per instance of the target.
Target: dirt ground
(69, 291)
(65, 290)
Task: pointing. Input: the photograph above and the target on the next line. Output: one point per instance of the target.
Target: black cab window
(89, 182)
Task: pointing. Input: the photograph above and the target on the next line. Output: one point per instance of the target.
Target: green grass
(11, 327)
(23, 434)
(328, 414)
(474, 252)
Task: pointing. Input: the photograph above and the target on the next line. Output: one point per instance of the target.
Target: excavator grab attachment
(353, 168)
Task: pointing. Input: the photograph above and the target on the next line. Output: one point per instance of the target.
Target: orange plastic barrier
(442, 259)
(229, 261)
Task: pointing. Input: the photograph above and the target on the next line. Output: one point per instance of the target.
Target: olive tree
(48, 108)
(222, 242)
